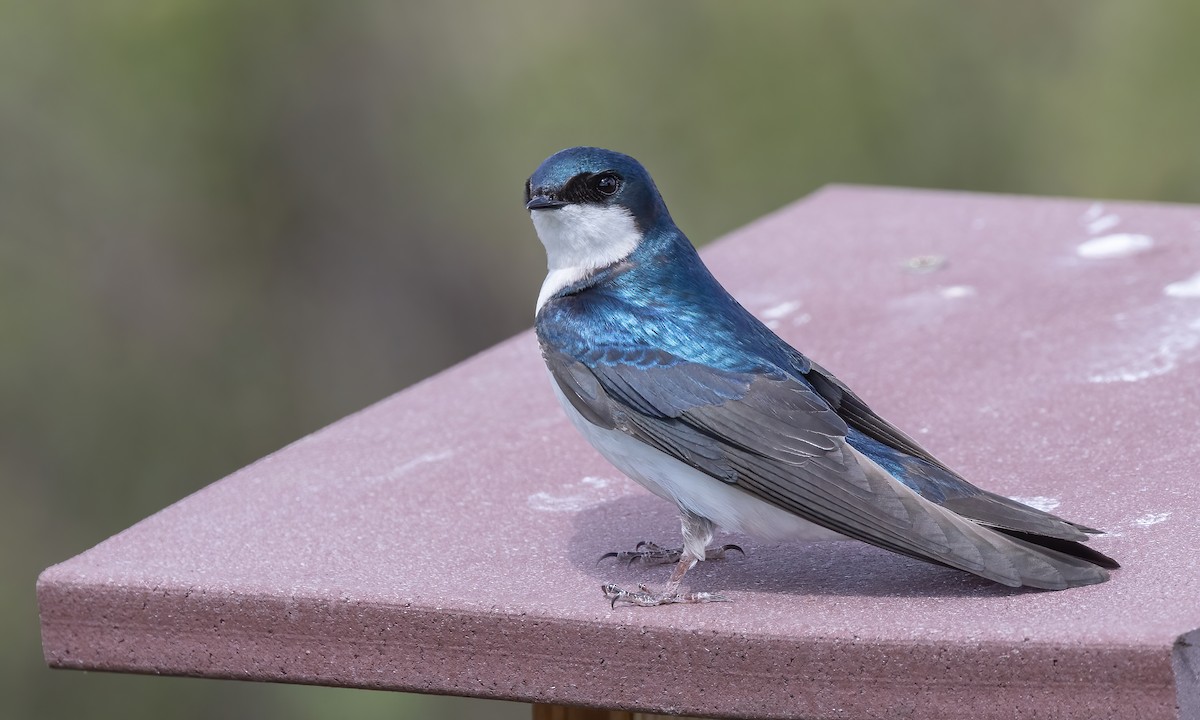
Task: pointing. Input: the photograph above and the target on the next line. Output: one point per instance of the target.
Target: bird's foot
(645, 597)
(650, 553)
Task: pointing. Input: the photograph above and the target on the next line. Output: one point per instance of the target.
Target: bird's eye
(608, 184)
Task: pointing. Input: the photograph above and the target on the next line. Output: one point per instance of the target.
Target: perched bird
(686, 392)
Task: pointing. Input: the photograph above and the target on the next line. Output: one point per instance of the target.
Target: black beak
(543, 202)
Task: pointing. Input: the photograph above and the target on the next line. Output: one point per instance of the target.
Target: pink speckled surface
(445, 539)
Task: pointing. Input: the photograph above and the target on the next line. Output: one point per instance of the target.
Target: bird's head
(596, 179)
(591, 208)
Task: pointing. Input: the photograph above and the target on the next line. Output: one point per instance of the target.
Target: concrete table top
(445, 539)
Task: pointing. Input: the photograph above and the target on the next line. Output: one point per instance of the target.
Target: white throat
(581, 239)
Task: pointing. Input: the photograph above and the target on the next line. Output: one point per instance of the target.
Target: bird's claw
(650, 553)
(719, 553)
(644, 597)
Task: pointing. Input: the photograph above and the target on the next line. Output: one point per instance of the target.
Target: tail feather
(1013, 558)
(1066, 547)
(1039, 562)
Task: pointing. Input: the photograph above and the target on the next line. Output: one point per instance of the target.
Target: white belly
(727, 506)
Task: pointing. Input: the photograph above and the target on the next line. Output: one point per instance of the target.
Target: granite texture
(445, 539)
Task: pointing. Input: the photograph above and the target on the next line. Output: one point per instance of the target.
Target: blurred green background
(225, 224)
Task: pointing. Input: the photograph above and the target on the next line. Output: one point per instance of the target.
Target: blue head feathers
(598, 177)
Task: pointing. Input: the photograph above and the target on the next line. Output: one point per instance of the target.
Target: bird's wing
(775, 437)
(948, 488)
(856, 412)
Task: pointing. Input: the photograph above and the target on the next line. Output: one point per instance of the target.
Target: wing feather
(932, 477)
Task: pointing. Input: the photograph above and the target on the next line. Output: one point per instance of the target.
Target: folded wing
(775, 436)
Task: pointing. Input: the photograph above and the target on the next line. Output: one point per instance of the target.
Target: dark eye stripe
(582, 188)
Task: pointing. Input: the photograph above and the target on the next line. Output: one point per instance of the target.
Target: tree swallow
(686, 392)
